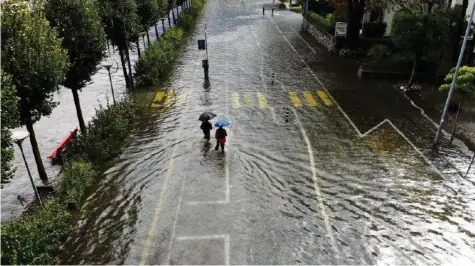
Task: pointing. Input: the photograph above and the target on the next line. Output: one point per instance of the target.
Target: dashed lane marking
(236, 103)
(262, 100)
(324, 97)
(295, 99)
(309, 97)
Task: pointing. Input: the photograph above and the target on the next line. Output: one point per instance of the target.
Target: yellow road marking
(158, 98)
(248, 100)
(295, 99)
(326, 100)
(310, 100)
(181, 98)
(161, 198)
(170, 96)
(236, 100)
(262, 100)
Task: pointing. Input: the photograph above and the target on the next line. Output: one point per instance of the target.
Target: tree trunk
(124, 68)
(459, 30)
(82, 125)
(173, 15)
(456, 119)
(36, 150)
(131, 78)
(148, 39)
(156, 32)
(138, 47)
(355, 16)
(169, 21)
(413, 74)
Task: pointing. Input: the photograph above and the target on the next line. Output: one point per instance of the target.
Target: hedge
(325, 24)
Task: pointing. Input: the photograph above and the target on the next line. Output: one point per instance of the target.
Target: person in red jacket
(220, 136)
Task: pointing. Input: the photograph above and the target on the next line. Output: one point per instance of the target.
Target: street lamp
(108, 67)
(19, 137)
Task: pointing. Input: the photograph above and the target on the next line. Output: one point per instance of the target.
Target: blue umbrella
(222, 123)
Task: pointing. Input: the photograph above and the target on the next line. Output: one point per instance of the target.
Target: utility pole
(452, 86)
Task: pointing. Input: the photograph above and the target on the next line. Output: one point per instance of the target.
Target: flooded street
(319, 168)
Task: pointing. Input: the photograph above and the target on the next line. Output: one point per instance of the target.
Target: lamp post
(19, 137)
(108, 67)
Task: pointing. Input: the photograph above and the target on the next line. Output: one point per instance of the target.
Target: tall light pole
(454, 80)
(19, 137)
(108, 67)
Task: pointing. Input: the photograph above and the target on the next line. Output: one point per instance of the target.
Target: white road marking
(311, 48)
(226, 238)
(361, 135)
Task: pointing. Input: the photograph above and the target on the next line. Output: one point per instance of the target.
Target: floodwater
(319, 167)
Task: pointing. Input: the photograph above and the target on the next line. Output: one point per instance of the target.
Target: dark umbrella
(206, 116)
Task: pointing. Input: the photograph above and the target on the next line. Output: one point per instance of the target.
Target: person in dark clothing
(220, 136)
(206, 127)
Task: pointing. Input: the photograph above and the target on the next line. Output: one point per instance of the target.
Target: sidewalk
(433, 101)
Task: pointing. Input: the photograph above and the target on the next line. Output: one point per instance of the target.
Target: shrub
(187, 20)
(378, 52)
(106, 133)
(325, 24)
(77, 178)
(374, 29)
(36, 239)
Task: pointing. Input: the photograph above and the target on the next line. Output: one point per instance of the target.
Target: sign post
(340, 29)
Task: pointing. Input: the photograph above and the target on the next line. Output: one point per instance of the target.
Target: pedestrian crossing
(316, 99)
(164, 98)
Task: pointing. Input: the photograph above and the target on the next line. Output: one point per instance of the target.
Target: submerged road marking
(226, 238)
(181, 98)
(324, 97)
(157, 98)
(170, 96)
(152, 230)
(295, 99)
(236, 103)
(311, 48)
(262, 100)
(248, 100)
(315, 182)
(309, 97)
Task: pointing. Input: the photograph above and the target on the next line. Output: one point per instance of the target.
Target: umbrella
(206, 116)
(223, 123)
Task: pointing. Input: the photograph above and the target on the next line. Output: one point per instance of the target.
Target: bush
(325, 24)
(36, 239)
(106, 132)
(378, 52)
(77, 178)
(187, 20)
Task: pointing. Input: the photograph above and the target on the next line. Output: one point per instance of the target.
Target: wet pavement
(319, 168)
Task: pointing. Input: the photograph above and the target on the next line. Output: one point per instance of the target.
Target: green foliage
(420, 34)
(76, 179)
(119, 18)
(378, 52)
(10, 119)
(79, 24)
(105, 134)
(36, 239)
(148, 13)
(325, 24)
(161, 55)
(32, 55)
(465, 81)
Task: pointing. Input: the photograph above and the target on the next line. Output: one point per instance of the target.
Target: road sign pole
(206, 41)
(205, 62)
(454, 80)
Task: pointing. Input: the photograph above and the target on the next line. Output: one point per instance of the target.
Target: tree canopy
(465, 82)
(10, 119)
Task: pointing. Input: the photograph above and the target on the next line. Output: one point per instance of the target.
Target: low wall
(325, 39)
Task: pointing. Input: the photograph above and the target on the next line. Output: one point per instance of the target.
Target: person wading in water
(206, 127)
(220, 136)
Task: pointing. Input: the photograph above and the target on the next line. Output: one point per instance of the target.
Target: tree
(119, 19)
(33, 56)
(79, 24)
(10, 119)
(419, 34)
(465, 85)
(147, 11)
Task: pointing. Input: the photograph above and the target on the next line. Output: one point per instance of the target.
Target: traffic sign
(201, 45)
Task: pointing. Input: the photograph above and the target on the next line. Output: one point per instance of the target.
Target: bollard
(263, 10)
(287, 114)
(272, 78)
(206, 67)
(272, 11)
